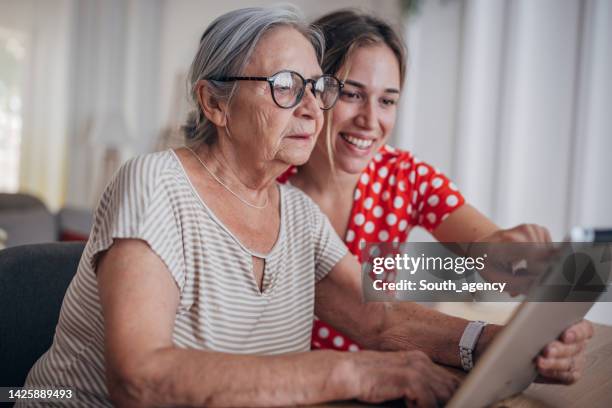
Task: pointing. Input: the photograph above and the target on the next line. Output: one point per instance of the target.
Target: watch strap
(468, 342)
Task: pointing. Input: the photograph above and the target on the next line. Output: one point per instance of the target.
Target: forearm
(184, 377)
(410, 326)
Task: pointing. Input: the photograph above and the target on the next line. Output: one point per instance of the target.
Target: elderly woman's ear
(213, 109)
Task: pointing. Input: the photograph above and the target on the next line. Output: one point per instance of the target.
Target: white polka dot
(316, 344)
(350, 235)
(396, 240)
(431, 217)
(374, 251)
(359, 219)
(409, 209)
(437, 182)
(392, 180)
(402, 225)
(353, 347)
(398, 202)
(423, 188)
(423, 170)
(414, 197)
(383, 235)
(371, 166)
(378, 211)
(412, 177)
(421, 204)
(433, 200)
(402, 185)
(391, 219)
(357, 194)
(452, 200)
(368, 203)
(378, 157)
(445, 216)
(386, 195)
(436, 170)
(383, 172)
(452, 186)
(390, 148)
(376, 187)
(338, 341)
(323, 332)
(369, 227)
(365, 179)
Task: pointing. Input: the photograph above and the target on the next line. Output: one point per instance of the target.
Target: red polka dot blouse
(395, 193)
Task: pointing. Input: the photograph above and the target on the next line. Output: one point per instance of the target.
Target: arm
(390, 325)
(465, 224)
(139, 301)
(410, 326)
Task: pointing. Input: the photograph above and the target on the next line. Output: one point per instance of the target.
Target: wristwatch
(468, 341)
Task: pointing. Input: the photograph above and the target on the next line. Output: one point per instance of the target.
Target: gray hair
(225, 48)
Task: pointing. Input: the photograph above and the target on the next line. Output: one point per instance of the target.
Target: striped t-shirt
(221, 307)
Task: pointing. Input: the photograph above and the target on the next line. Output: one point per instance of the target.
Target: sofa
(24, 219)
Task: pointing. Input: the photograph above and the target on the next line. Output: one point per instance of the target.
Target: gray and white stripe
(221, 308)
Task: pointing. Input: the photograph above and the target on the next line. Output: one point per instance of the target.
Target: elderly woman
(197, 285)
(372, 192)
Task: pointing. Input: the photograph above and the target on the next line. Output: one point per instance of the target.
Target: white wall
(46, 30)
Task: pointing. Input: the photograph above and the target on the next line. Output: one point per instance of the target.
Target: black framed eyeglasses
(288, 87)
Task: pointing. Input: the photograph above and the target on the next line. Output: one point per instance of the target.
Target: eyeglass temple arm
(231, 78)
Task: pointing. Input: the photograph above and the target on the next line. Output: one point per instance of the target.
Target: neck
(317, 175)
(240, 172)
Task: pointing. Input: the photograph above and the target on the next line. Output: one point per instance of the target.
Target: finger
(420, 395)
(580, 331)
(556, 349)
(546, 237)
(561, 377)
(561, 364)
(447, 385)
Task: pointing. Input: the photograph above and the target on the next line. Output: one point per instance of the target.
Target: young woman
(372, 192)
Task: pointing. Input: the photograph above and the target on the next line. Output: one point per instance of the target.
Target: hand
(515, 256)
(410, 375)
(562, 361)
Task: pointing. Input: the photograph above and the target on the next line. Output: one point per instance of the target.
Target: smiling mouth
(357, 142)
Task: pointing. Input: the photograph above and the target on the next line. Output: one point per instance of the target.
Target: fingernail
(571, 336)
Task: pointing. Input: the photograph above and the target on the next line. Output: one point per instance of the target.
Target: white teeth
(360, 143)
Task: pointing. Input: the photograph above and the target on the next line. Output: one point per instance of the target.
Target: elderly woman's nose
(309, 106)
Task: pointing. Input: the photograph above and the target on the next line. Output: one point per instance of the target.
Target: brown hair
(348, 29)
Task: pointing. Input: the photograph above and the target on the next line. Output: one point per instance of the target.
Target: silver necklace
(259, 207)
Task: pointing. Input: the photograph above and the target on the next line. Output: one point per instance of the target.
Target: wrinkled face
(365, 113)
(259, 128)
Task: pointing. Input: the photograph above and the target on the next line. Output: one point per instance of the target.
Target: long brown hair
(348, 29)
(345, 31)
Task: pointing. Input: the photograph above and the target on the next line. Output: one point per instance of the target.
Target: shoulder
(149, 166)
(399, 160)
(147, 172)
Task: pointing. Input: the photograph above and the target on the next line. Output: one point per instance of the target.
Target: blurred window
(12, 59)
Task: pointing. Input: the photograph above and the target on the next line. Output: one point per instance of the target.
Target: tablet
(506, 367)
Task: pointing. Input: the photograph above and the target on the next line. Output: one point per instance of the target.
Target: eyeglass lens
(288, 89)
